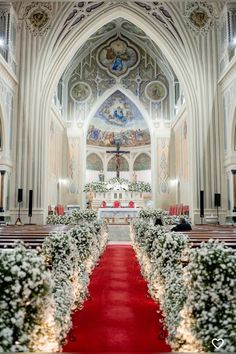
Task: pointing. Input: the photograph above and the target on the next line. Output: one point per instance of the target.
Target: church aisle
(119, 317)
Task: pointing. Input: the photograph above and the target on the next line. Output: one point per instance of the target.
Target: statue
(134, 178)
(101, 176)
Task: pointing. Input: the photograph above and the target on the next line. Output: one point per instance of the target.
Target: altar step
(119, 234)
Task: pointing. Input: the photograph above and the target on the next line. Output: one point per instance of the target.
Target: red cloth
(59, 209)
(104, 204)
(119, 317)
(131, 204)
(116, 204)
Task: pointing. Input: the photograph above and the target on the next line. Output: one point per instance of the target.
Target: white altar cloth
(118, 212)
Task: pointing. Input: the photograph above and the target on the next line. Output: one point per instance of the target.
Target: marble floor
(119, 234)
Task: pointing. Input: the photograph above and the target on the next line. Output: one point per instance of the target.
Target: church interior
(117, 176)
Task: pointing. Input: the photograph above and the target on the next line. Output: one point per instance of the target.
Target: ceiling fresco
(118, 119)
(118, 57)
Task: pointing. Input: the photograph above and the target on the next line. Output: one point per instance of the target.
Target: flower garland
(76, 217)
(39, 289)
(118, 184)
(197, 301)
(26, 287)
(210, 308)
(150, 213)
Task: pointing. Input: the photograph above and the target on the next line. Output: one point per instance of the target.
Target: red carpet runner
(119, 317)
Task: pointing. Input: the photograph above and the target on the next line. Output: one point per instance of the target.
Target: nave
(119, 316)
(106, 288)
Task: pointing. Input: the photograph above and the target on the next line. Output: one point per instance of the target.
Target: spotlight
(2, 42)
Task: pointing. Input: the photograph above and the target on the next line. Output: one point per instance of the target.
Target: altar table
(118, 213)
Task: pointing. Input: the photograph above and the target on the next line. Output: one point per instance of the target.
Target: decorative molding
(80, 92)
(156, 91)
(118, 57)
(78, 13)
(7, 74)
(38, 17)
(200, 16)
(228, 75)
(159, 12)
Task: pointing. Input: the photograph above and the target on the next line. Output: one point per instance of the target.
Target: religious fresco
(200, 16)
(80, 92)
(118, 57)
(130, 27)
(156, 91)
(142, 162)
(94, 162)
(123, 164)
(38, 17)
(118, 119)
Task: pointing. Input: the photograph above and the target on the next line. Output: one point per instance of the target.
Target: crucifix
(118, 153)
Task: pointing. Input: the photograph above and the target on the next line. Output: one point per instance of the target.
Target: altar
(118, 213)
(124, 198)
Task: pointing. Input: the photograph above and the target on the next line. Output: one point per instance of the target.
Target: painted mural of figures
(139, 134)
(119, 115)
(117, 64)
(118, 57)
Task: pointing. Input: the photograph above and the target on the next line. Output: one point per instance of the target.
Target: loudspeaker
(217, 200)
(201, 204)
(20, 195)
(30, 203)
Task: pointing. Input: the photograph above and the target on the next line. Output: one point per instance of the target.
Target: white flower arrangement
(118, 184)
(26, 287)
(198, 301)
(77, 216)
(210, 308)
(151, 214)
(39, 289)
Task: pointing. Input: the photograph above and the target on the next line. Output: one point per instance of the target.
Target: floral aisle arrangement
(76, 217)
(197, 301)
(118, 184)
(40, 289)
(151, 214)
(25, 296)
(210, 308)
(166, 279)
(71, 257)
(174, 219)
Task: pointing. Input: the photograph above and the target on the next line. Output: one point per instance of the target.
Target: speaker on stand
(202, 206)
(20, 200)
(217, 202)
(30, 205)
